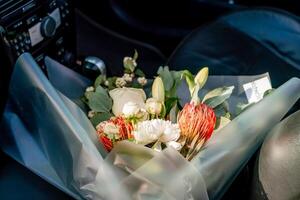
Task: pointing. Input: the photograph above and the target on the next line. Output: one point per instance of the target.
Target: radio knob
(48, 26)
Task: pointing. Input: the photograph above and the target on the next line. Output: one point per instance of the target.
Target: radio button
(48, 26)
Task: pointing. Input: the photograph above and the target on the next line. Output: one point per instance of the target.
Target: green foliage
(99, 101)
(189, 78)
(99, 80)
(100, 117)
(221, 109)
(139, 73)
(166, 77)
(268, 92)
(217, 96)
(221, 122)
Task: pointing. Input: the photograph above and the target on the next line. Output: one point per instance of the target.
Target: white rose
(121, 96)
(153, 106)
(131, 109)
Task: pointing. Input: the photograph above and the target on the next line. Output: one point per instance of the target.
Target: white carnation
(156, 130)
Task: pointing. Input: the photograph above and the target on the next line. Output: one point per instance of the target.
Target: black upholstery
(244, 43)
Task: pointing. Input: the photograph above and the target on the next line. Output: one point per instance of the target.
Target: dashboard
(41, 27)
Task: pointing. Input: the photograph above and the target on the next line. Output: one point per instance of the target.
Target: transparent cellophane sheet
(45, 128)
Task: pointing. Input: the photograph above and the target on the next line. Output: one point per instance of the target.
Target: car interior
(233, 37)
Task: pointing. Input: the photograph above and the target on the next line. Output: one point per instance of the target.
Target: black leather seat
(251, 42)
(244, 43)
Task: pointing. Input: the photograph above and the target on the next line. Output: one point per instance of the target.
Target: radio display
(35, 34)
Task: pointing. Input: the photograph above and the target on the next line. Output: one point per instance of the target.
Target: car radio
(41, 27)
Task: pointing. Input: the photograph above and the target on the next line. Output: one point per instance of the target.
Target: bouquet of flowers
(165, 140)
(120, 109)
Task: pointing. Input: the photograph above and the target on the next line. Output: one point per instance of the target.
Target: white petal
(176, 145)
(121, 96)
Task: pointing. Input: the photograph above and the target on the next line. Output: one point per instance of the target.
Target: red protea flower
(196, 123)
(114, 130)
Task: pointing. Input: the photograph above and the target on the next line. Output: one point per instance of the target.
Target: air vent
(14, 7)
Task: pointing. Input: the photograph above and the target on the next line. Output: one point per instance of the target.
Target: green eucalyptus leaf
(166, 77)
(139, 73)
(99, 80)
(221, 123)
(177, 75)
(100, 101)
(217, 96)
(100, 117)
(221, 109)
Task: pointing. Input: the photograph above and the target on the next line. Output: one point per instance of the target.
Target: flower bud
(127, 77)
(90, 89)
(130, 109)
(153, 106)
(120, 82)
(129, 64)
(91, 114)
(158, 90)
(142, 81)
(201, 77)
